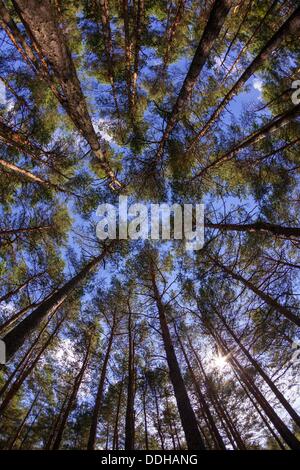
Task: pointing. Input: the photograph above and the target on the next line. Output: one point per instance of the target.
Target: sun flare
(220, 361)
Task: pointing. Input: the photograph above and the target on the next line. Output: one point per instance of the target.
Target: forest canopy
(141, 344)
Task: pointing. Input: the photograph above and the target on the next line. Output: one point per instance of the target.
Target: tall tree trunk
(219, 406)
(263, 418)
(171, 32)
(128, 53)
(187, 415)
(57, 422)
(262, 295)
(129, 420)
(100, 391)
(213, 27)
(116, 428)
(16, 337)
(29, 429)
(290, 27)
(159, 427)
(137, 47)
(245, 16)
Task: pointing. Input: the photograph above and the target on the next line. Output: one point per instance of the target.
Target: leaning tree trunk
(262, 295)
(51, 46)
(16, 337)
(276, 123)
(290, 27)
(257, 227)
(280, 397)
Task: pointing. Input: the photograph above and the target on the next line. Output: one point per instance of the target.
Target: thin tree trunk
(128, 53)
(159, 428)
(116, 431)
(15, 231)
(171, 33)
(145, 418)
(253, 35)
(265, 421)
(29, 429)
(262, 295)
(15, 291)
(248, 9)
(57, 422)
(139, 29)
(257, 227)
